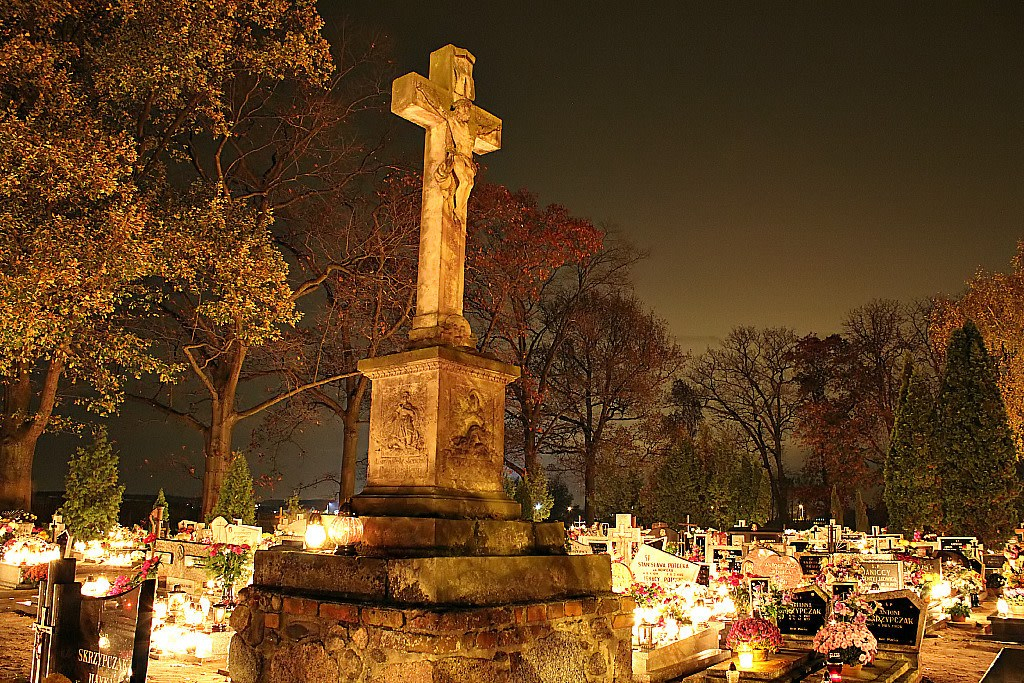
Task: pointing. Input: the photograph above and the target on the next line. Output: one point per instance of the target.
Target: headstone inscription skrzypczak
(808, 613)
(113, 637)
(899, 621)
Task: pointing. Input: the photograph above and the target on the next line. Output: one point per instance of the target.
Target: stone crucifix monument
(448, 584)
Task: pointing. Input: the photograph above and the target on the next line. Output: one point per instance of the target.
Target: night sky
(782, 162)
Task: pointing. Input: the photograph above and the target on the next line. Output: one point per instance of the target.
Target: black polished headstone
(808, 614)
(114, 636)
(899, 621)
(811, 564)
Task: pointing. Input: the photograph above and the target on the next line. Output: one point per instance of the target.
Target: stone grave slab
(680, 658)
(1007, 629)
(783, 666)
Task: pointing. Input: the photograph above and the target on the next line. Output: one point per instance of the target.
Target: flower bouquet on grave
(963, 580)
(229, 564)
(846, 633)
(754, 634)
(772, 604)
(844, 570)
(735, 585)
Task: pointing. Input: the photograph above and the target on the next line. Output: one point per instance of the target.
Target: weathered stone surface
(304, 662)
(244, 661)
(431, 536)
(444, 643)
(436, 436)
(430, 580)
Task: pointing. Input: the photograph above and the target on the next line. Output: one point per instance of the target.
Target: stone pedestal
(437, 436)
(431, 620)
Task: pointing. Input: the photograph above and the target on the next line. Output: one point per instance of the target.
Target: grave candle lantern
(346, 531)
(316, 535)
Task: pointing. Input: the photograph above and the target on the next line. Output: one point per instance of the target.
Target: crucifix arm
(415, 99)
(488, 131)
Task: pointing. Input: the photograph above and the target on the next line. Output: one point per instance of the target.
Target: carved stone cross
(456, 129)
(622, 537)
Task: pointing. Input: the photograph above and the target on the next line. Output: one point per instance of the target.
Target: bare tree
(751, 382)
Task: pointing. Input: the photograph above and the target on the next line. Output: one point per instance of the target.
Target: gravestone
(219, 530)
(623, 537)
(656, 566)
(887, 575)
(448, 583)
(808, 614)
(243, 534)
(899, 623)
(811, 563)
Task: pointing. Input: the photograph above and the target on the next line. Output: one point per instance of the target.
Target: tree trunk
(531, 458)
(16, 456)
(218, 457)
(590, 487)
(350, 442)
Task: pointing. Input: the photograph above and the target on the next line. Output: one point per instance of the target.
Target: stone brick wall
(288, 639)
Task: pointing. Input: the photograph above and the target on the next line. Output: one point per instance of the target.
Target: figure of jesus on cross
(455, 130)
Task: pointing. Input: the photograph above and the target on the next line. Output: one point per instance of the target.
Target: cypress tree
(237, 499)
(836, 506)
(92, 495)
(862, 523)
(911, 493)
(973, 443)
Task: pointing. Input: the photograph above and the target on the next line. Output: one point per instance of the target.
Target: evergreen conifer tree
(973, 444)
(237, 499)
(92, 495)
(862, 524)
(161, 501)
(911, 493)
(836, 506)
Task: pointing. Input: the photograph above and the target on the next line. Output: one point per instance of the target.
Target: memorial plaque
(899, 622)
(704, 574)
(994, 561)
(956, 542)
(111, 642)
(656, 566)
(811, 563)
(882, 575)
(809, 614)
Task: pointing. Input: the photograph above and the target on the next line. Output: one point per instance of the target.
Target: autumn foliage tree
(523, 262)
(612, 373)
(76, 238)
(994, 302)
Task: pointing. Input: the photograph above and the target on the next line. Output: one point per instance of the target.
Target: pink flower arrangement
(851, 638)
(123, 583)
(648, 595)
(754, 633)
